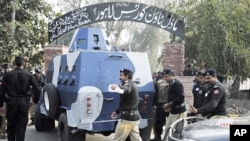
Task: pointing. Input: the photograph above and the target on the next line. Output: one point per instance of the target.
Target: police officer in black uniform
(16, 84)
(128, 124)
(214, 100)
(161, 97)
(199, 89)
(41, 80)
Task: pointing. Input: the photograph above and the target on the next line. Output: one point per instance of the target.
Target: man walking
(176, 98)
(214, 105)
(16, 84)
(161, 97)
(40, 78)
(128, 124)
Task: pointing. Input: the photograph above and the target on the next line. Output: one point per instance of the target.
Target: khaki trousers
(2, 113)
(127, 128)
(173, 117)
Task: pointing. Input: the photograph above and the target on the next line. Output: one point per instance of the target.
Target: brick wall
(51, 51)
(187, 82)
(173, 57)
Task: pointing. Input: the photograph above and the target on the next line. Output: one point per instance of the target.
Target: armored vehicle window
(96, 39)
(107, 42)
(60, 69)
(74, 68)
(82, 42)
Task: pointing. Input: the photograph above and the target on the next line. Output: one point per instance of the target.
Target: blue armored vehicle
(77, 96)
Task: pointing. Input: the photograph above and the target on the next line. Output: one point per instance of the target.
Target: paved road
(33, 135)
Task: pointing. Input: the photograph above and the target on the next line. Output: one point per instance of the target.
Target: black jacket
(16, 83)
(129, 100)
(215, 101)
(176, 96)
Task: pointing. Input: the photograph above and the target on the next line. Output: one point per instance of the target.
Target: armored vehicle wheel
(64, 131)
(145, 133)
(51, 100)
(43, 123)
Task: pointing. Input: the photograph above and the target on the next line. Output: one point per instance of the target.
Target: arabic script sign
(116, 11)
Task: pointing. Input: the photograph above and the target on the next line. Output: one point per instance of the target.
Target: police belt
(129, 112)
(179, 106)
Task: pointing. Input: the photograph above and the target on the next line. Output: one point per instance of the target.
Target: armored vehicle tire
(64, 131)
(145, 133)
(51, 100)
(43, 123)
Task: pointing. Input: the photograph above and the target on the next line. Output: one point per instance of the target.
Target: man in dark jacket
(214, 105)
(128, 124)
(41, 80)
(16, 84)
(161, 97)
(176, 98)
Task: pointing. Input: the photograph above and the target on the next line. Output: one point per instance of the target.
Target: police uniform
(40, 78)
(161, 97)
(2, 112)
(128, 124)
(176, 99)
(199, 89)
(16, 84)
(214, 101)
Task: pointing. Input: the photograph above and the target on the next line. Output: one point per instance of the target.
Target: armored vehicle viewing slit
(77, 96)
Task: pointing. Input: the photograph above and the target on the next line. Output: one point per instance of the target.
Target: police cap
(6, 65)
(211, 72)
(126, 71)
(19, 59)
(200, 72)
(167, 71)
(37, 70)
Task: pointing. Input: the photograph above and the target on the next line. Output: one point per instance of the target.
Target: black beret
(126, 71)
(19, 59)
(211, 72)
(6, 65)
(167, 71)
(37, 70)
(200, 72)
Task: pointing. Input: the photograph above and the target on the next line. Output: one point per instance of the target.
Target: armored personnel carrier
(76, 95)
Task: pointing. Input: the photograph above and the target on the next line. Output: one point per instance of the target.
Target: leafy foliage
(217, 35)
(23, 30)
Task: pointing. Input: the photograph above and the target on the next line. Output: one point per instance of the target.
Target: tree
(23, 29)
(217, 35)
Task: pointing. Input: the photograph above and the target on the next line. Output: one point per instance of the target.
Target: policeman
(2, 111)
(199, 88)
(176, 99)
(161, 97)
(40, 78)
(214, 101)
(16, 84)
(128, 124)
